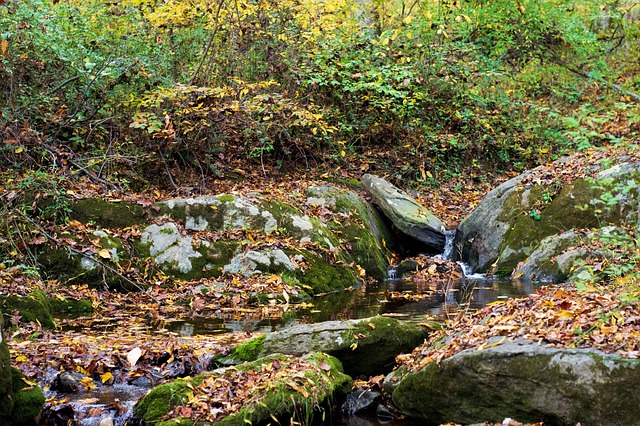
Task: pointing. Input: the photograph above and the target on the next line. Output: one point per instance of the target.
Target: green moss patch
(107, 214)
(32, 308)
(374, 345)
(70, 306)
(274, 387)
(28, 400)
(322, 276)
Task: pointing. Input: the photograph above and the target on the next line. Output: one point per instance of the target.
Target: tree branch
(209, 44)
(585, 74)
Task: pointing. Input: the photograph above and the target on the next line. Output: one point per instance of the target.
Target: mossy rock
(524, 380)
(28, 400)
(224, 211)
(321, 276)
(32, 308)
(6, 377)
(182, 256)
(502, 232)
(70, 306)
(246, 352)
(364, 230)
(575, 207)
(108, 214)
(279, 401)
(66, 266)
(20, 403)
(365, 347)
(376, 343)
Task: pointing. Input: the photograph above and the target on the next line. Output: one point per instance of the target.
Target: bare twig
(209, 43)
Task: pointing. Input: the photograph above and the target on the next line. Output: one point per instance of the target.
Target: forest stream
(407, 299)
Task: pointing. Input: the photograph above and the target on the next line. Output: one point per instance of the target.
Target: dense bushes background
(145, 92)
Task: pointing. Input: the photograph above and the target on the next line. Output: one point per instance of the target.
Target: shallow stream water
(408, 300)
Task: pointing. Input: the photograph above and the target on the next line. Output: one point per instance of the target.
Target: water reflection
(411, 300)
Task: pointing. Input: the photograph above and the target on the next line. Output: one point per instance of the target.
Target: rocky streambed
(234, 266)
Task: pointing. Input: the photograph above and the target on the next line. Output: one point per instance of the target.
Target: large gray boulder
(512, 220)
(555, 257)
(324, 242)
(408, 216)
(524, 380)
(365, 346)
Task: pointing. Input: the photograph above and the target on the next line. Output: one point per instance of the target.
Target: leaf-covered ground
(129, 336)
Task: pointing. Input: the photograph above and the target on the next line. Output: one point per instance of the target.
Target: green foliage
(185, 85)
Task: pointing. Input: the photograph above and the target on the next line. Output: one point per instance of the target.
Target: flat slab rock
(365, 346)
(527, 381)
(409, 216)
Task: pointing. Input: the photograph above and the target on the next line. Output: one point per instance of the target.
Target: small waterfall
(447, 253)
(392, 274)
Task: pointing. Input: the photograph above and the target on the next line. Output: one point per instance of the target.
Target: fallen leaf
(106, 377)
(104, 253)
(134, 355)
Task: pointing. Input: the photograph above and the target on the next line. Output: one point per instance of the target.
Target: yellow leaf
(19, 149)
(105, 254)
(21, 358)
(343, 153)
(87, 382)
(4, 44)
(372, 325)
(432, 269)
(517, 275)
(106, 377)
(293, 385)
(29, 382)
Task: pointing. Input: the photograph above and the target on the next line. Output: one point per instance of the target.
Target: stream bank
(168, 323)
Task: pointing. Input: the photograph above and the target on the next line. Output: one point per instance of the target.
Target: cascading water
(447, 253)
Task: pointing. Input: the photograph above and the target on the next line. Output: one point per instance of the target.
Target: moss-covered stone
(62, 264)
(32, 308)
(248, 351)
(503, 231)
(107, 214)
(6, 377)
(523, 380)
(278, 401)
(374, 345)
(359, 228)
(365, 347)
(70, 306)
(20, 402)
(322, 276)
(161, 399)
(28, 400)
(575, 207)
